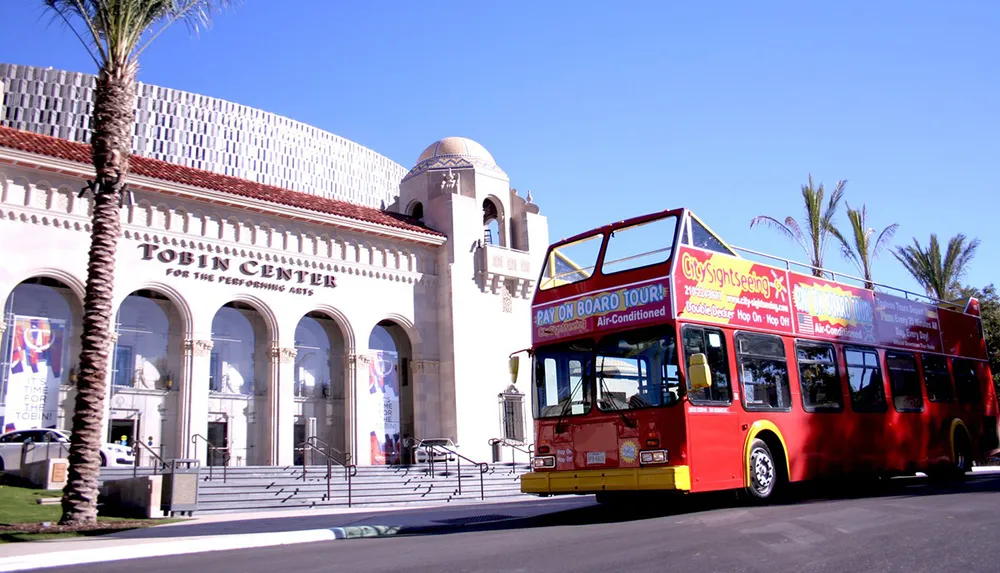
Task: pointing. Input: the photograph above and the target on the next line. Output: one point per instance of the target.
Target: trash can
(497, 451)
(180, 487)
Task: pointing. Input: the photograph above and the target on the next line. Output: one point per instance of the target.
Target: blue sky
(723, 107)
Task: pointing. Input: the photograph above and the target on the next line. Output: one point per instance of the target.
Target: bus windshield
(560, 389)
(633, 370)
(637, 370)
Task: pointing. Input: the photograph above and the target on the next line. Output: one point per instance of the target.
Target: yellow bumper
(593, 481)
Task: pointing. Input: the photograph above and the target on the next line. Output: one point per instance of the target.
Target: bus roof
(673, 267)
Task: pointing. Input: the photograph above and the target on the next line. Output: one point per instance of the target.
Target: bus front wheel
(763, 470)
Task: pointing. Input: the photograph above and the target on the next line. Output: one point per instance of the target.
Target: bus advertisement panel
(632, 305)
(833, 311)
(721, 289)
(907, 324)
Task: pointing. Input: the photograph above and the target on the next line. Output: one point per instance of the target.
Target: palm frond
(939, 276)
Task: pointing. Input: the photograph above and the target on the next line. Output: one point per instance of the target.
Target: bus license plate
(596, 458)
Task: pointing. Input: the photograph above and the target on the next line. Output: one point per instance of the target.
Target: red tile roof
(164, 171)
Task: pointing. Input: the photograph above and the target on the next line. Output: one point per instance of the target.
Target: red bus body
(627, 418)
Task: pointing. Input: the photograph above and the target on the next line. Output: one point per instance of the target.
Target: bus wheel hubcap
(763, 470)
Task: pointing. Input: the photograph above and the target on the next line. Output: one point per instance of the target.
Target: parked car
(12, 442)
(427, 449)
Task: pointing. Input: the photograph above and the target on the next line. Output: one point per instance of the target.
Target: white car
(12, 442)
(433, 448)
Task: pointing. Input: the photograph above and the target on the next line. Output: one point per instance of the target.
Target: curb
(188, 545)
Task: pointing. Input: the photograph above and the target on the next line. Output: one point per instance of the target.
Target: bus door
(863, 432)
(712, 425)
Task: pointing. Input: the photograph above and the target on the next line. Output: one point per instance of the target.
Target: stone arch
(416, 210)
(75, 284)
(494, 221)
(171, 293)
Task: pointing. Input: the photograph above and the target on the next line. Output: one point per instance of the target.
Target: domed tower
(487, 270)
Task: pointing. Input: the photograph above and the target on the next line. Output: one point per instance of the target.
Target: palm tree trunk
(111, 144)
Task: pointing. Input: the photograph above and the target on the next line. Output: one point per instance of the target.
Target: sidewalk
(221, 532)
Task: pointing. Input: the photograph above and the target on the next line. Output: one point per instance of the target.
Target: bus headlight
(543, 462)
(653, 457)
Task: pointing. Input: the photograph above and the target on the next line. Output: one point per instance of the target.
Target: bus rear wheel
(764, 473)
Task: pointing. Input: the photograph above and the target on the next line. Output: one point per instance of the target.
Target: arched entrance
(41, 347)
(319, 383)
(237, 385)
(145, 368)
(385, 404)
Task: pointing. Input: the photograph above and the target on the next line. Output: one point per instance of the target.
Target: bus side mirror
(512, 366)
(699, 374)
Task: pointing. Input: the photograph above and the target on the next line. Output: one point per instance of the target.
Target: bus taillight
(543, 462)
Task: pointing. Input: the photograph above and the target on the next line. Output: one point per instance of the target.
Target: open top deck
(670, 266)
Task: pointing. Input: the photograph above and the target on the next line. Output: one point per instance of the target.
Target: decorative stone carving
(358, 359)
(425, 366)
(283, 355)
(450, 181)
(198, 348)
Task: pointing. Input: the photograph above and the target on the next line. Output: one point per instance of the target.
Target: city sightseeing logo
(712, 275)
(629, 451)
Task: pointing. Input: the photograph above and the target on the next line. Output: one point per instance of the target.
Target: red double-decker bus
(664, 359)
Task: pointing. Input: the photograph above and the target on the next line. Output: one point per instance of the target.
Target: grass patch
(21, 517)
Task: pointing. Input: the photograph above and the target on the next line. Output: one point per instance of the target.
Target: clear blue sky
(609, 112)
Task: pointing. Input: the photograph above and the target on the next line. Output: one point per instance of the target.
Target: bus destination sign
(721, 289)
(632, 305)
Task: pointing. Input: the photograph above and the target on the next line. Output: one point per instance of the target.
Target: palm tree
(860, 250)
(818, 221)
(115, 33)
(938, 275)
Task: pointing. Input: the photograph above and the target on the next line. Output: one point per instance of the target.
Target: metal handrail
(350, 470)
(137, 450)
(529, 451)
(212, 448)
(833, 276)
(316, 440)
(483, 466)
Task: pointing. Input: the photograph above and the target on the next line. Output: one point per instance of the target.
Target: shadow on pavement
(642, 507)
(572, 511)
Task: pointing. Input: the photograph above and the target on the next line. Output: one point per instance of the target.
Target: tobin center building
(274, 282)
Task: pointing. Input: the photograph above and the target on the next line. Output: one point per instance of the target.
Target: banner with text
(718, 288)
(833, 311)
(907, 324)
(35, 369)
(382, 405)
(632, 305)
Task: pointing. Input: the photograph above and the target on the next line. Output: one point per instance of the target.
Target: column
(192, 403)
(426, 396)
(281, 407)
(359, 419)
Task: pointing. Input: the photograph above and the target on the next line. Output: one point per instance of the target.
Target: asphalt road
(906, 525)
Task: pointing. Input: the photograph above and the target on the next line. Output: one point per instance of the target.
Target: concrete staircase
(253, 488)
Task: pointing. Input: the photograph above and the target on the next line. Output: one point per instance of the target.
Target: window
(512, 415)
(124, 367)
(937, 378)
(637, 370)
(711, 343)
(763, 372)
(904, 381)
(641, 245)
(865, 377)
(563, 263)
(703, 238)
(818, 377)
(559, 386)
(966, 381)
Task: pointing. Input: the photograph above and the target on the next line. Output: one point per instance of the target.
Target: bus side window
(818, 377)
(904, 381)
(865, 376)
(763, 371)
(966, 381)
(937, 378)
(712, 343)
